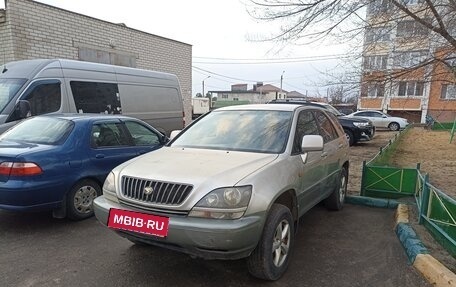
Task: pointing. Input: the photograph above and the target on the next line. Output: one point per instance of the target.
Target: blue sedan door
(110, 146)
(114, 142)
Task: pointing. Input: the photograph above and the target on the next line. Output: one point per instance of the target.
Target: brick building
(30, 30)
(395, 78)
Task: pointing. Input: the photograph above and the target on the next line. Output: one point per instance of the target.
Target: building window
(224, 96)
(412, 2)
(373, 90)
(235, 99)
(411, 88)
(409, 59)
(378, 6)
(377, 34)
(377, 62)
(448, 92)
(411, 28)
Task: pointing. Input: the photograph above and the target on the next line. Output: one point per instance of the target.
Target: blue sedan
(59, 162)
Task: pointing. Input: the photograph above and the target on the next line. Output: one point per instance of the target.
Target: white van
(34, 87)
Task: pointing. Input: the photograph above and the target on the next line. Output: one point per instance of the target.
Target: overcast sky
(220, 33)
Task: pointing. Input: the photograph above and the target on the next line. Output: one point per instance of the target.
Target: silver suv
(232, 185)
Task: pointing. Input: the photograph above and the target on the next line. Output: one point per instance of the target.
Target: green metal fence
(437, 210)
(388, 182)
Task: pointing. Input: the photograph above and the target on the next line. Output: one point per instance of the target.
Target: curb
(431, 269)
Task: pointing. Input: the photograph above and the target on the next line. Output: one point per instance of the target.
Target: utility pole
(281, 81)
(203, 85)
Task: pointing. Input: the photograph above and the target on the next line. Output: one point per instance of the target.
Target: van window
(44, 97)
(8, 89)
(92, 97)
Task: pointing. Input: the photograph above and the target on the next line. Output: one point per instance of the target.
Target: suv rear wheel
(270, 258)
(336, 200)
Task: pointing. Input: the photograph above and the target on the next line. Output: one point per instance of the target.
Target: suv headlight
(223, 203)
(109, 187)
(360, 124)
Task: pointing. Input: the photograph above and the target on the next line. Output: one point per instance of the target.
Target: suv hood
(354, 119)
(213, 168)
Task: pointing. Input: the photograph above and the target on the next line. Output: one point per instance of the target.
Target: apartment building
(406, 70)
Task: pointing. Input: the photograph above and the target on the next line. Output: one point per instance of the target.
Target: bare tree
(416, 22)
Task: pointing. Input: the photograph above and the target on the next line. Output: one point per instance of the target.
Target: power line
(263, 62)
(274, 59)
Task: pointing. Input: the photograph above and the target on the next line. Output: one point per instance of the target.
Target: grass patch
(442, 126)
(388, 151)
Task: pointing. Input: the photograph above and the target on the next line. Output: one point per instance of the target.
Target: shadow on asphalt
(353, 247)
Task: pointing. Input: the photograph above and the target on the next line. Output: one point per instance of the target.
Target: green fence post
(424, 200)
(363, 174)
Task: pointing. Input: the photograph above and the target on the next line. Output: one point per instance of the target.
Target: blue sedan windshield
(248, 130)
(40, 130)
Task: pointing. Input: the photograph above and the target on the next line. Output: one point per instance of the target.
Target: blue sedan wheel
(80, 199)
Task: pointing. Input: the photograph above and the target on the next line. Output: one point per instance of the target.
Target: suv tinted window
(306, 125)
(327, 130)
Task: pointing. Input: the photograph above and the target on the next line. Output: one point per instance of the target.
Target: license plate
(138, 222)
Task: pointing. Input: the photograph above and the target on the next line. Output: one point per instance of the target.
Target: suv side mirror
(310, 143)
(174, 134)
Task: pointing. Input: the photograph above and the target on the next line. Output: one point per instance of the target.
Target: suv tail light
(19, 168)
(183, 119)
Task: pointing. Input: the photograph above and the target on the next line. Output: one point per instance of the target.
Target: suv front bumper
(201, 237)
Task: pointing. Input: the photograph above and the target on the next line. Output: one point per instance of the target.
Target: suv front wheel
(270, 258)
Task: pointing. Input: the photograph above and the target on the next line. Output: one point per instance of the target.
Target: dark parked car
(356, 129)
(59, 162)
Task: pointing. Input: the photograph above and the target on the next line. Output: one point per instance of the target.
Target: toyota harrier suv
(231, 185)
(356, 128)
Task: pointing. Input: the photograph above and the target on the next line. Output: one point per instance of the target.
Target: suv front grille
(165, 193)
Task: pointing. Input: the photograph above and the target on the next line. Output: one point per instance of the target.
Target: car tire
(80, 199)
(350, 137)
(278, 236)
(394, 126)
(336, 199)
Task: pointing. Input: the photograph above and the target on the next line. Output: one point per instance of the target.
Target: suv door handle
(100, 155)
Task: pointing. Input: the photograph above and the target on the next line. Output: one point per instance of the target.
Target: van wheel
(80, 199)
(270, 258)
(336, 200)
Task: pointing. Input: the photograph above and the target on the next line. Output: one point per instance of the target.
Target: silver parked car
(381, 120)
(232, 185)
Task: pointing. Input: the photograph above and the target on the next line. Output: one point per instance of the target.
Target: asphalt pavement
(353, 247)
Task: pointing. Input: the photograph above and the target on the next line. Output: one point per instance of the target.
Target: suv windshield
(40, 130)
(248, 130)
(9, 88)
